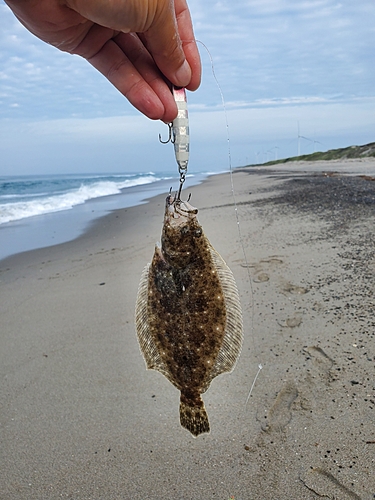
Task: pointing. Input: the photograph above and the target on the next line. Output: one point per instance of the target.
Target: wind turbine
(316, 142)
(275, 148)
(306, 139)
(299, 142)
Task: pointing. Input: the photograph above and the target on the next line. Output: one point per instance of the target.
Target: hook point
(169, 135)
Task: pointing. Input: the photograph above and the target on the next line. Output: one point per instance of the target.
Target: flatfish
(188, 312)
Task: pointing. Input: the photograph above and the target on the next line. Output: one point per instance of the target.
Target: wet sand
(81, 418)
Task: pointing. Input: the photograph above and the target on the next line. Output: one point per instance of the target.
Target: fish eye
(184, 229)
(198, 232)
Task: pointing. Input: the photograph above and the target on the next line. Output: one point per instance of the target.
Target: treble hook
(170, 138)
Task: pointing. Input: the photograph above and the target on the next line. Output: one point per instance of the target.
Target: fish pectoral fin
(193, 415)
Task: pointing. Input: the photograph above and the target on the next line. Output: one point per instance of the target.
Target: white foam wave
(27, 195)
(42, 205)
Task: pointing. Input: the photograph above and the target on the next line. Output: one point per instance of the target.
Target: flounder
(188, 312)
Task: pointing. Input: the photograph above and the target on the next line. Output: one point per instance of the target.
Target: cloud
(266, 102)
(267, 49)
(261, 49)
(46, 82)
(124, 142)
(277, 62)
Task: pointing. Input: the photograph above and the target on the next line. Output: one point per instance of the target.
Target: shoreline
(61, 226)
(83, 418)
(49, 230)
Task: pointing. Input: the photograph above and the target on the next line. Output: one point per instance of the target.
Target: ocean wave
(18, 196)
(39, 205)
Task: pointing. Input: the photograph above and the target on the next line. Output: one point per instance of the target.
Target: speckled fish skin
(188, 313)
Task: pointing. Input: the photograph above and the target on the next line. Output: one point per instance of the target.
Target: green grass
(365, 151)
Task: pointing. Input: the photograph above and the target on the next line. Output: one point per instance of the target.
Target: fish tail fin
(193, 416)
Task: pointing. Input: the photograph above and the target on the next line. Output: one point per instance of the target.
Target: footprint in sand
(260, 275)
(292, 321)
(272, 261)
(279, 414)
(320, 359)
(294, 289)
(324, 484)
(261, 278)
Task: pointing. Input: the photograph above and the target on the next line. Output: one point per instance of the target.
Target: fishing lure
(179, 134)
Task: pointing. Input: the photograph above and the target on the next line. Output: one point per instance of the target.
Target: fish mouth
(176, 208)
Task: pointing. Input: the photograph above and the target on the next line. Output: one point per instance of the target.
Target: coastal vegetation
(351, 152)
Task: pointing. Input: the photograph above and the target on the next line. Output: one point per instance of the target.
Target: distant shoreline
(356, 153)
(360, 166)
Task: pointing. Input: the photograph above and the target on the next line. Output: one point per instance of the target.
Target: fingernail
(183, 74)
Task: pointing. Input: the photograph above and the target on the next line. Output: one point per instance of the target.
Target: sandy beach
(81, 418)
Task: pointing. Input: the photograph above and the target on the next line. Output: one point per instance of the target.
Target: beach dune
(82, 418)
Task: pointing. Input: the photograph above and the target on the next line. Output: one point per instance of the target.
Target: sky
(286, 69)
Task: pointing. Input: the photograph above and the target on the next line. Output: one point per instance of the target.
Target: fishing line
(260, 366)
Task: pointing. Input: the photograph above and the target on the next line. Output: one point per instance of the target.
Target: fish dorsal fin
(232, 342)
(147, 344)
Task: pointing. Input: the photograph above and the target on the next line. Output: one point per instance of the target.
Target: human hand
(135, 44)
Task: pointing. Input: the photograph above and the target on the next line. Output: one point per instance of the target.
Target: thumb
(164, 43)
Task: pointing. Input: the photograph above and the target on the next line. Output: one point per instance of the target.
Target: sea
(38, 211)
